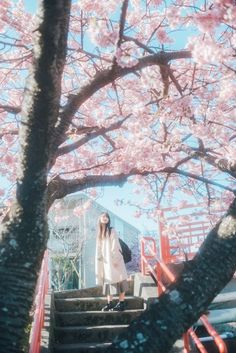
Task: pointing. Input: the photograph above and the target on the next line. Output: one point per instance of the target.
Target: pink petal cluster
(126, 55)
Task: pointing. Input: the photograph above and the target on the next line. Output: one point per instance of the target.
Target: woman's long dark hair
(104, 229)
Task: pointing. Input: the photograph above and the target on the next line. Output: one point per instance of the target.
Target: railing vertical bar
(38, 320)
(198, 343)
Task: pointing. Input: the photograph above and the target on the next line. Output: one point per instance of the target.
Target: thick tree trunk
(24, 235)
(173, 313)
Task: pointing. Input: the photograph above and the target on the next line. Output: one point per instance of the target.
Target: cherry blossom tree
(146, 92)
(24, 234)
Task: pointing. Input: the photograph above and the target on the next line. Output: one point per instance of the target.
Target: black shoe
(108, 307)
(120, 306)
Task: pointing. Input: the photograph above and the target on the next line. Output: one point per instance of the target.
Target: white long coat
(109, 262)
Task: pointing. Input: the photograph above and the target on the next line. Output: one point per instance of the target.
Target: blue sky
(126, 212)
(31, 5)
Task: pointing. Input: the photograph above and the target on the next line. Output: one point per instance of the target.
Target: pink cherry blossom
(163, 37)
(2, 192)
(126, 55)
(150, 116)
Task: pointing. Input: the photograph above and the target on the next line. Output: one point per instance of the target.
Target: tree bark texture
(24, 235)
(157, 329)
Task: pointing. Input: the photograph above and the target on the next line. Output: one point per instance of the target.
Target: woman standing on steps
(110, 268)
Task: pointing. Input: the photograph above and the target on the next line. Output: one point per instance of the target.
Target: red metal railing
(214, 334)
(38, 321)
(149, 252)
(183, 230)
(196, 340)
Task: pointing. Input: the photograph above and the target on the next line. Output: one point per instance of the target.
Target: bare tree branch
(12, 132)
(84, 169)
(139, 44)
(90, 136)
(102, 79)
(222, 164)
(204, 180)
(59, 187)
(13, 45)
(176, 83)
(90, 55)
(163, 190)
(122, 21)
(111, 142)
(10, 109)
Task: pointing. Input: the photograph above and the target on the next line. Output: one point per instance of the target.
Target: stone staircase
(81, 327)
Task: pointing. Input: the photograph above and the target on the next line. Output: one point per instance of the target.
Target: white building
(73, 230)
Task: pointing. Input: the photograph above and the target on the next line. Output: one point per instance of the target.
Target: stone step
(96, 317)
(86, 334)
(96, 347)
(93, 347)
(227, 329)
(89, 292)
(224, 301)
(220, 316)
(211, 347)
(94, 303)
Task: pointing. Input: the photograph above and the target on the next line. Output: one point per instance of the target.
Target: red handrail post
(142, 257)
(186, 342)
(164, 239)
(197, 341)
(145, 256)
(159, 279)
(38, 320)
(218, 340)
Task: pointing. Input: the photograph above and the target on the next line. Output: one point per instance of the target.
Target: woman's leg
(122, 296)
(109, 298)
(120, 306)
(109, 304)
